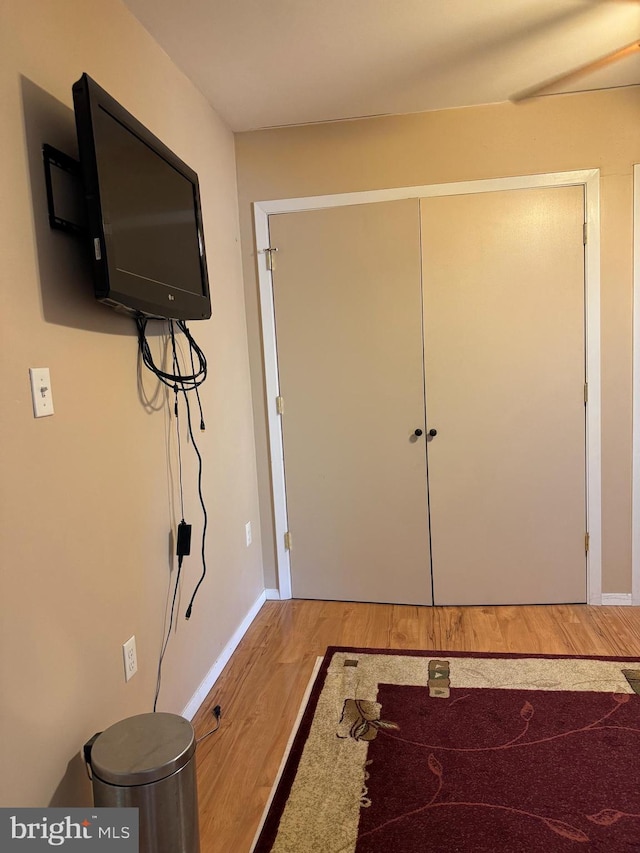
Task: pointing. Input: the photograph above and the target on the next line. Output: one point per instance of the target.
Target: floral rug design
(448, 751)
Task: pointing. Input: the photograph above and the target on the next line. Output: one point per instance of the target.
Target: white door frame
(590, 181)
(635, 501)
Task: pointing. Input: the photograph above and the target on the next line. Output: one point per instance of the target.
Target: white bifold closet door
(505, 372)
(349, 336)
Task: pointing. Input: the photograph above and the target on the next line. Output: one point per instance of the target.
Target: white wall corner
(617, 598)
(212, 676)
(272, 594)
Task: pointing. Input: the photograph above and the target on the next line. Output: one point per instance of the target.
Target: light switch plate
(41, 393)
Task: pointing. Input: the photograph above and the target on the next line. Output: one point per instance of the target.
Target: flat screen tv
(143, 213)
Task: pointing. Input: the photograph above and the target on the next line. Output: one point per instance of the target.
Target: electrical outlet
(130, 658)
(247, 533)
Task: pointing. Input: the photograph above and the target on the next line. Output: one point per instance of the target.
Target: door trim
(635, 500)
(590, 181)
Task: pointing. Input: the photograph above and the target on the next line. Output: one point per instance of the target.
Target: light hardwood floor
(261, 688)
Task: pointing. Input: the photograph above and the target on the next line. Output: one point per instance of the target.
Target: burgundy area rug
(457, 752)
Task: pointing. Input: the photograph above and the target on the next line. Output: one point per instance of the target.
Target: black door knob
(417, 432)
(433, 432)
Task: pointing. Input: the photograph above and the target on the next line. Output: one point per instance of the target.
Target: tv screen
(143, 211)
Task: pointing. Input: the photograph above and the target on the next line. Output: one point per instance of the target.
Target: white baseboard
(272, 594)
(212, 676)
(617, 598)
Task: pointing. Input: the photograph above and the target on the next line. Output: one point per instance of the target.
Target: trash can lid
(143, 749)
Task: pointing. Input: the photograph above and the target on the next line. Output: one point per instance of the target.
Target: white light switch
(41, 391)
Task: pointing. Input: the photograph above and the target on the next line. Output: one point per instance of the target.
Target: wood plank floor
(261, 688)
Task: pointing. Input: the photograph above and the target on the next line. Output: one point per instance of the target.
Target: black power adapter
(183, 548)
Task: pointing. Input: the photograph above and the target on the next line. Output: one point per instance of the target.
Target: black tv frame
(115, 287)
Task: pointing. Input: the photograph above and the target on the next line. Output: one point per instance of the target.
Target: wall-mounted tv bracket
(65, 193)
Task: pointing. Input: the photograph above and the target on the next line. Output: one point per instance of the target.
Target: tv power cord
(217, 713)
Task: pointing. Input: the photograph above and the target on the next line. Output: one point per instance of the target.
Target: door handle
(417, 432)
(433, 433)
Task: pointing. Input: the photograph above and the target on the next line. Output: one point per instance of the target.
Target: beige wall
(547, 135)
(88, 496)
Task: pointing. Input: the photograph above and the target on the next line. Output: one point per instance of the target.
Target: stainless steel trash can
(148, 762)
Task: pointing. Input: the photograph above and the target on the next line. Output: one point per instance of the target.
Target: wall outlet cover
(130, 656)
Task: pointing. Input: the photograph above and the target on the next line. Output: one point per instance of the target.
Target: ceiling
(265, 63)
